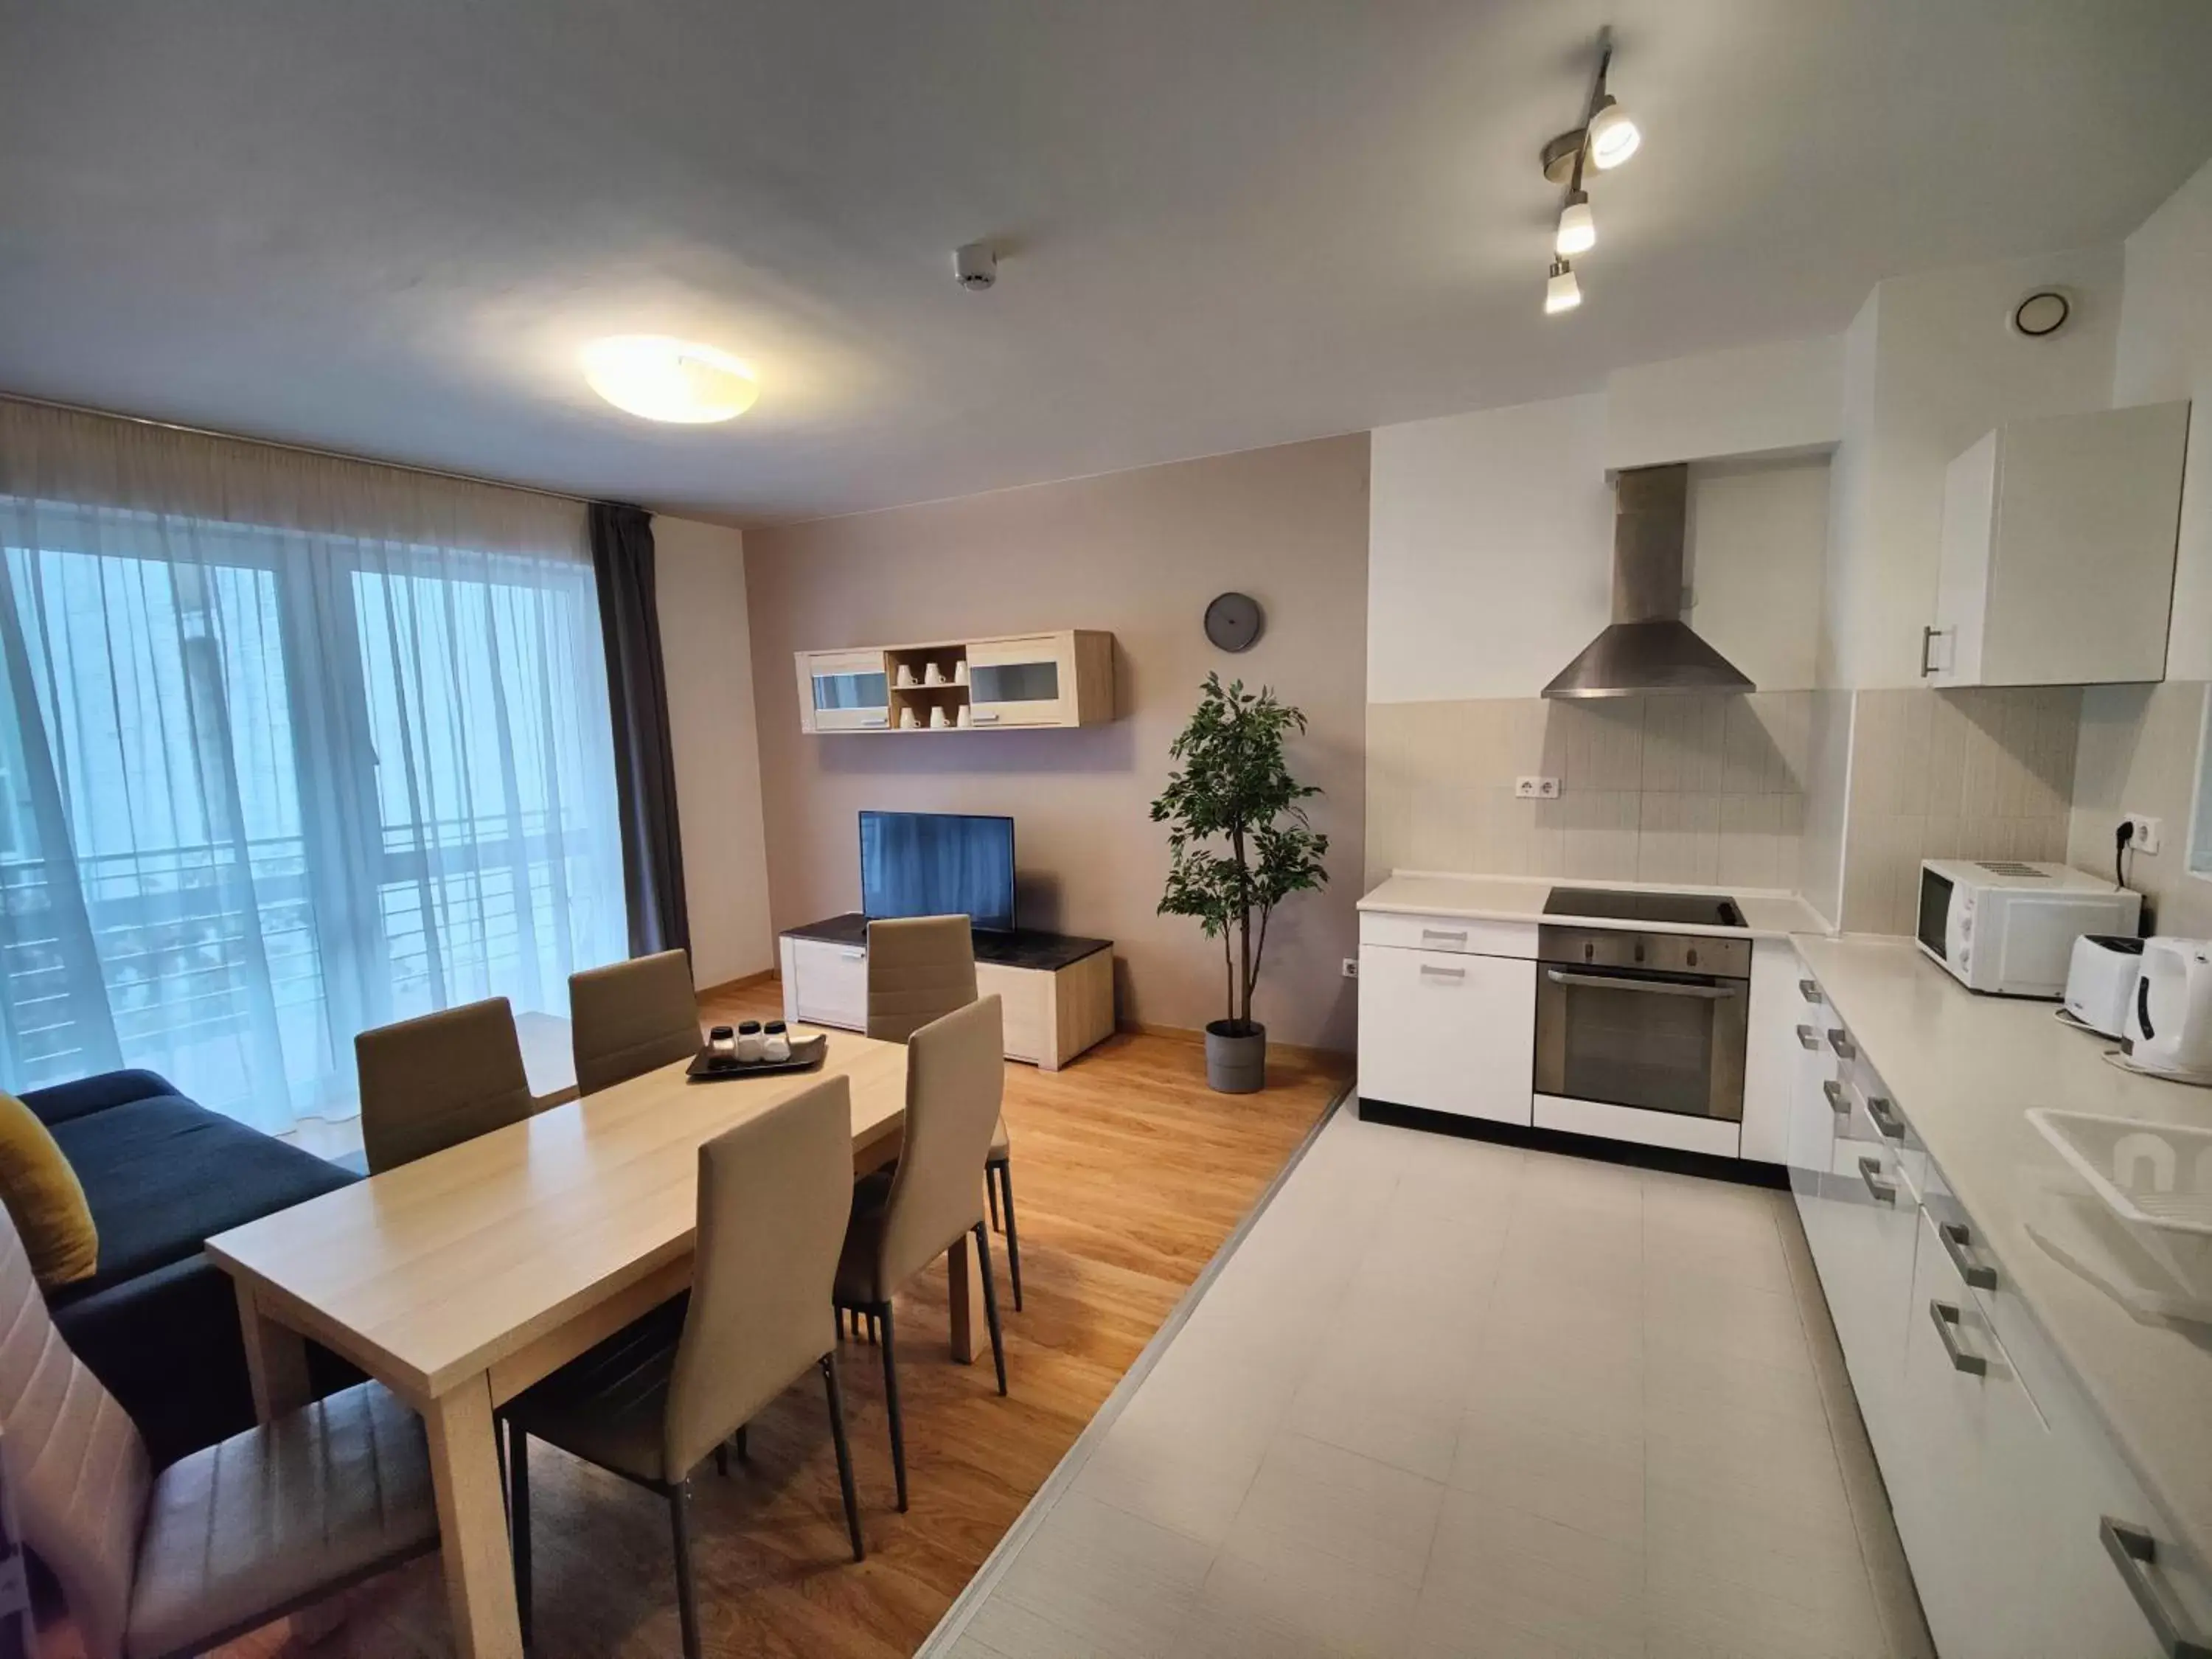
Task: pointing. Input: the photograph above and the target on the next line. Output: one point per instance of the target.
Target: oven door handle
(1661, 987)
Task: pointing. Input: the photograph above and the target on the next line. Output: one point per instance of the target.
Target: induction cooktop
(1613, 904)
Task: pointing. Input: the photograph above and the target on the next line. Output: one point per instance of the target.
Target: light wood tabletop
(461, 1279)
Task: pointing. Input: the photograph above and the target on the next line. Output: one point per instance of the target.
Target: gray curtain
(637, 699)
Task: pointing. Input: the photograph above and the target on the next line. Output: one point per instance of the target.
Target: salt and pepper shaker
(775, 1043)
(722, 1042)
(750, 1045)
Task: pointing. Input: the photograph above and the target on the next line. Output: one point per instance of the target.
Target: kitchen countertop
(1520, 898)
(1964, 1069)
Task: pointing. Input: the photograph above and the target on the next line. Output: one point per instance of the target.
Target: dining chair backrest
(631, 1017)
(75, 1468)
(774, 1195)
(956, 1076)
(920, 968)
(432, 1083)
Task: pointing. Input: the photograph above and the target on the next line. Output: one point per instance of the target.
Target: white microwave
(2008, 928)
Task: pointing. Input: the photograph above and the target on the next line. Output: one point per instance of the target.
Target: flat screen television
(937, 864)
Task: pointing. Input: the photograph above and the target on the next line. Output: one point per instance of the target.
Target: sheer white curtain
(293, 746)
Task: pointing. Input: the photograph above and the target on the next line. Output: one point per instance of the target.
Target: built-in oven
(1656, 1021)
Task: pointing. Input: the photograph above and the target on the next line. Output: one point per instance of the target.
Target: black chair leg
(891, 1399)
(687, 1594)
(991, 1190)
(844, 1453)
(991, 1303)
(745, 1449)
(518, 1486)
(722, 1461)
(1013, 1237)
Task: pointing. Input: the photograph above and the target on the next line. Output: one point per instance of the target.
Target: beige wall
(1136, 553)
(705, 645)
(1683, 789)
(2138, 754)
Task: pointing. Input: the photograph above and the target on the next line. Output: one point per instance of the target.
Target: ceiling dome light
(659, 379)
(1562, 293)
(1578, 230)
(1612, 136)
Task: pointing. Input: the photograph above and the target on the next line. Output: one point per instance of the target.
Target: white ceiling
(387, 228)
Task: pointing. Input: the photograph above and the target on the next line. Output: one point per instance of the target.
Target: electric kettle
(2169, 1019)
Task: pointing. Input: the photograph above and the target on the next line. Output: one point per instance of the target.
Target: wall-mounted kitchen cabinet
(1058, 679)
(2058, 550)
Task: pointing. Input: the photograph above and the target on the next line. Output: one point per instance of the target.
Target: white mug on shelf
(965, 715)
(960, 671)
(937, 720)
(933, 674)
(906, 673)
(907, 721)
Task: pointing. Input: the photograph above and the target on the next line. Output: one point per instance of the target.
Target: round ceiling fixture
(1234, 622)
(657, 377)
(2040, 313)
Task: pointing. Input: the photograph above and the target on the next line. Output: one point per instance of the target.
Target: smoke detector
(976, 265)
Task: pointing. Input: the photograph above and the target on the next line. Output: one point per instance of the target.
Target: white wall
(1490, 553)
(707, 645)
(1489, 550)
(2165, 352)
(1929, 366)
(1786, 395)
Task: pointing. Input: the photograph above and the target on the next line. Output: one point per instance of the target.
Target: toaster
(2170, 1016)
(2100, 980)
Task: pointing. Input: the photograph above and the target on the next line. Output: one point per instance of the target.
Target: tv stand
(1057, 990)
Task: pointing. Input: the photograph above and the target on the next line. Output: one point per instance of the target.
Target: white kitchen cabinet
(1448, 1031)
(1812, 1118)
(1770, 1070)
(2058, 552)
(1868, 1275)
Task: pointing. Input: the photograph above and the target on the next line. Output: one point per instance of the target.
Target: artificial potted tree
(1238, 844)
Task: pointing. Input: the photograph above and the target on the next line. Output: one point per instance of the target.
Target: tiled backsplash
(1688, 789)
(1711, 789)
(1981, 774)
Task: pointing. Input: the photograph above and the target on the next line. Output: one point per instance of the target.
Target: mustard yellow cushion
(42, 1196)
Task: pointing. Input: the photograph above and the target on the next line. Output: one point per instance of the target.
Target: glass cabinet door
(1017, 682)
(848, 691)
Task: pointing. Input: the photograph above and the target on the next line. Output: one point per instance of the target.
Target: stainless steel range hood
(1648, 647)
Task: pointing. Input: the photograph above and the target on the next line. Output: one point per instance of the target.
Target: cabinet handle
(1809, 989)
(1955, 1238)
(1834, 1090)
(1947, 1326)
(1430, 970)
(2135, 1552)
(977, 717)
(854, 956)
(1886, 1121)
(1459, 934)
(1840, 1041)
(1884, 1192)
(1927, 643)
(1807, 1038)
(877, 720)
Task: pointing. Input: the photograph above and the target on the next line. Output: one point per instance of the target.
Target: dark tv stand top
(1024, 947)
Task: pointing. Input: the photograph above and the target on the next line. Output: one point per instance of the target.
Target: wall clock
(1234, 622)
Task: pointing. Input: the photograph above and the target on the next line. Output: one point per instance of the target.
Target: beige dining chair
(920, 969)
(955, 1074)
(654, 1401)
(432, 1083)
(216, 1545)
(630, 1017)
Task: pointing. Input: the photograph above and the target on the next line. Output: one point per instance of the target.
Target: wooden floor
(1128, 1174)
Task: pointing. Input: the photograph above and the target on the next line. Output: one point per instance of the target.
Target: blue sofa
(158, 1322)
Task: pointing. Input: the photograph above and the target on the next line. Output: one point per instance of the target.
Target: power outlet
(1535, 789)
(2148, 832)
(1351, 967)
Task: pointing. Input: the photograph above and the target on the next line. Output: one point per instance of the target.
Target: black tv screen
(937, 864)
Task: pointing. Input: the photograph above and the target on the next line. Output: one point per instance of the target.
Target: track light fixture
(1607, 138)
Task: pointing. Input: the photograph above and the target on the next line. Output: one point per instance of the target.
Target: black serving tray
(806, 1054)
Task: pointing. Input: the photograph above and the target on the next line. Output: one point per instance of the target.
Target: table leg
(964, 1287)
(275, 1359)
(472, 1523)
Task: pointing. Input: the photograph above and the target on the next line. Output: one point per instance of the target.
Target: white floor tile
(1310, 1495)
(1123, 1584)
(1495, 1565)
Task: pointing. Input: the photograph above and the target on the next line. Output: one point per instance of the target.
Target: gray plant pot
(1235, 1057)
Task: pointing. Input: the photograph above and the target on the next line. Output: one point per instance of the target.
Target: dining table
(461, 1279)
